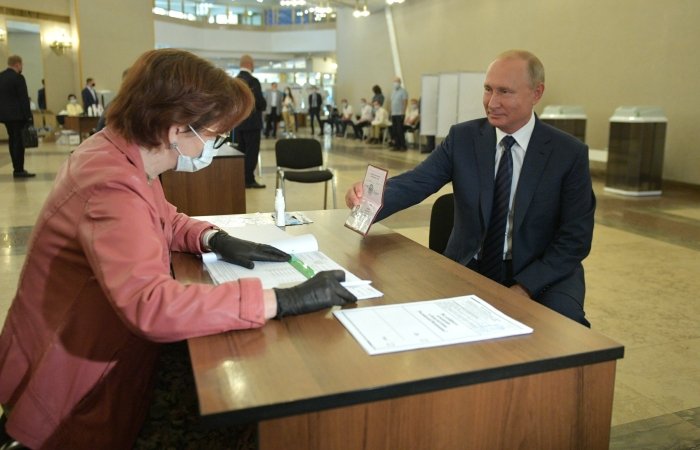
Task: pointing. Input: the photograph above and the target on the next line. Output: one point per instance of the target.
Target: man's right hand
(354, 195)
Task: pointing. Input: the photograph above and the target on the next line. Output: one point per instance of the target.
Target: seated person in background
(379, 123)
(73, 108)
(333, 119)
(345, 116)
(96, 299)
(364, 119)
(412, 120)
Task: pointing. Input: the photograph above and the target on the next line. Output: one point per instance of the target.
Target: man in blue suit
(247, 133)
(549, 217)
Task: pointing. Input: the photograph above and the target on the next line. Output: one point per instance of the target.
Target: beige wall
(599, 54)
(112, 35)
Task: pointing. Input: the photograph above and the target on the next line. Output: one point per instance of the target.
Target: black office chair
(301, 160)
(442, 218)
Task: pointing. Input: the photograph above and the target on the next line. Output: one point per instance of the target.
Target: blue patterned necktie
(491, 265)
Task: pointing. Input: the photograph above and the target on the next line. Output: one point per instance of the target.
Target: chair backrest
(442, 218)
(298, 153)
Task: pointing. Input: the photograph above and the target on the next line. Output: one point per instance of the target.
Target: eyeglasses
(219, 140)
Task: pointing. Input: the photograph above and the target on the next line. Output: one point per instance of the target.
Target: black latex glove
(321, 291)
(243, 253)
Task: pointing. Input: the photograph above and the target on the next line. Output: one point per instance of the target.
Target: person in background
(399, 102)
(412, 120)
(15, 112)
(377, 95)
(288, 112)
(332, 119)
(41, 96)
(102, 121)
(89, 95)
(273, 98)
(315, 105)
(379, 123)
(365, 119)
(346, 116)
(96, 298)
(73, 107)
(523, 200)
(247, 133)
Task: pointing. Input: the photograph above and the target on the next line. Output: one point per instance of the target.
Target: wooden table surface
(311, 363)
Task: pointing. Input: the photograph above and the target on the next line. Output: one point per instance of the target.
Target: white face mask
(191, 164)
(74, 101)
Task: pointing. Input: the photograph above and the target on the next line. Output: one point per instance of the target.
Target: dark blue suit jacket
(14, 98)
(553, 206)
(88, 99)
(254, 120)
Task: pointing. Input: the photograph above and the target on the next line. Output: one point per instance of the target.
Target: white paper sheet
(410, 326)
(304, 249)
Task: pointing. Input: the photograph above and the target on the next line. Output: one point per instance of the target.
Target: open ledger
(306, 261)
(409, 326)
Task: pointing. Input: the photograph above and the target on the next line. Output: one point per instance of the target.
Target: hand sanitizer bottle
(279, 208)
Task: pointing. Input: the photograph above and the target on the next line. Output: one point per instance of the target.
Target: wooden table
(81, 124)
(214, 190)
(310, 385)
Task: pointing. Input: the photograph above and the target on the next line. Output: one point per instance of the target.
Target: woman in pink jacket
(96, 296)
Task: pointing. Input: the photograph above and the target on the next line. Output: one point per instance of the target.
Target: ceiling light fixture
(364, 12)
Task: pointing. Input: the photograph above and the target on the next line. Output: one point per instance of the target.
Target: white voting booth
(448, 99)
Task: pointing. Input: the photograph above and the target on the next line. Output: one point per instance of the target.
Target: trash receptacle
(636, 151)
(571, 119)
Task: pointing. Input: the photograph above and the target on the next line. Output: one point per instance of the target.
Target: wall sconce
(60, 44)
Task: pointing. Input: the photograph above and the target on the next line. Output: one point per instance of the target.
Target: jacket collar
(539, 149)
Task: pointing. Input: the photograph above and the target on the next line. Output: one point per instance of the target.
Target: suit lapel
(486, 161)
(536, 157)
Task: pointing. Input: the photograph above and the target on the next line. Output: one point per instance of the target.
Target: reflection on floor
(642, 276)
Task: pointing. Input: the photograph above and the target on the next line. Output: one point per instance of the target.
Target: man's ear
(538, 93)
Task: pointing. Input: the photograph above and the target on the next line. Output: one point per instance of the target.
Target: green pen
(305, 270)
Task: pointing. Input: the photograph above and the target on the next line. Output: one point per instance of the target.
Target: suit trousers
(397, 131)
(16, 144)
(554, 297)
(315, 112)
(249, 144)
(271, 122)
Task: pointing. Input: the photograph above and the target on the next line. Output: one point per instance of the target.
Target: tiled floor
(642, 277)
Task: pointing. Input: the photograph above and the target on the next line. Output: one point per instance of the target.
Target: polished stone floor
(643, 276)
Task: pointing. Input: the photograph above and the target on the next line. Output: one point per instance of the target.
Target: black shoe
(23, 174)
(254, 185)
(426, 150)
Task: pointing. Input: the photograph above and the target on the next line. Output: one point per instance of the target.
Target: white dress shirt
(522, 139)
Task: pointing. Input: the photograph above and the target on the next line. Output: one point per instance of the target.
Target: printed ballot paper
(306, 261)
(409, 326)
(362, 215)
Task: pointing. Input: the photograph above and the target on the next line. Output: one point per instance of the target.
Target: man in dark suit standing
(41, 96)
(315, 104)
(15, 112)
(89, 95)
(547, 207)
(248, 132)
